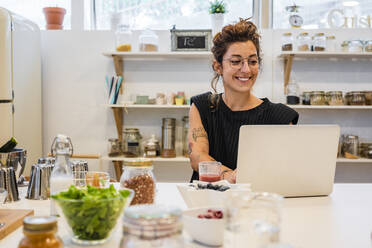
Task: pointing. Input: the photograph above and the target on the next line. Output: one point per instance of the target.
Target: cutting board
(13, 218)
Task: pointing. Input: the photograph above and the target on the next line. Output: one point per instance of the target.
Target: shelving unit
(159, 55)
(149, 106)
(354, 161)
(289, 57)
(157, 159)
(328, 107)
(118, 109)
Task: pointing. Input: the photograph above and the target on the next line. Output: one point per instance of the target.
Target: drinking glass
(253, 219)
(209, 171)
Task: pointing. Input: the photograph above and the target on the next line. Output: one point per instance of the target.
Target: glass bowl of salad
(91, 212)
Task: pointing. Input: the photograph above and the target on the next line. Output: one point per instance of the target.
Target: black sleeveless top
(222, 125)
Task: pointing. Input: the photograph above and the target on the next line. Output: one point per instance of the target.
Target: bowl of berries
(205, 225)
(203, 194)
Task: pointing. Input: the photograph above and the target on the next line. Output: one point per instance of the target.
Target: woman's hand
(229, 175)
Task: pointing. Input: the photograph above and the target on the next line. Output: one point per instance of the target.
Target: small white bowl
(206, 231)
(197, 198)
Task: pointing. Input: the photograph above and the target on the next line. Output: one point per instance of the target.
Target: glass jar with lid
(345, 46)
(368, 46)
(123, 36)
(317, 98)
(287, 42)
(331, 43)
(350, 146)
(131, 144)
(319, 42)
(114, 147)
(306, 96)
(138, 176)
(356, 46)
(151, 147)
(293, 95)
(334, 98)
(148, 41)
(303, 42)
(368, 96)
(40, 231)
(357, 98)
(152, 226)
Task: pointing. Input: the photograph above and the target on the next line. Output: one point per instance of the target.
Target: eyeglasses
(237, 63)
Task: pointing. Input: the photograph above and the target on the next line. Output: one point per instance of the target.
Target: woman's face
(239, 68)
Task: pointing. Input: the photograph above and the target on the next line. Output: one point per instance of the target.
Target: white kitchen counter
(342, 220)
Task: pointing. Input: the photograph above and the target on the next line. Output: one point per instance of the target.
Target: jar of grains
(287, 42)
(334, 98)
(318, 98)
(319, 42)
(138, 176)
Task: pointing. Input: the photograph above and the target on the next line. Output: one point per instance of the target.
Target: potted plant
(217, 10)
(54, 17)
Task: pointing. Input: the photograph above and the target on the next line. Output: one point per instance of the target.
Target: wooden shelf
(326, 54)
(289, 56)
(157, 159)
(159, 55)
(150, 106)
(343, 107)
(356, 161)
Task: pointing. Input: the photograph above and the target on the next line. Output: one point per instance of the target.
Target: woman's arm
(199, 144)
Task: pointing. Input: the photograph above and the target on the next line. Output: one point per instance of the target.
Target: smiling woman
(215, 119)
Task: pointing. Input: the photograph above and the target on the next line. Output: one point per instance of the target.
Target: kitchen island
(341, 220)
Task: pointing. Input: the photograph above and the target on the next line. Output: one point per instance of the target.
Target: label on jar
(133, 148)
(151, 153)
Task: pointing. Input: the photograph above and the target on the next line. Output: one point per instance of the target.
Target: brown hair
(242, 31)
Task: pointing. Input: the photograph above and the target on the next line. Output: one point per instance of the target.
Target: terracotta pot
(54, 26)
(54, 17)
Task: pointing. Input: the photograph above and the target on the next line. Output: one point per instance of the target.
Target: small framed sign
(191, 40)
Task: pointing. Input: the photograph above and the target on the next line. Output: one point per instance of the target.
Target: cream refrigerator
(20, 84)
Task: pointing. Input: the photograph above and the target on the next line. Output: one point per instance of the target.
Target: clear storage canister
(148, 226)
(357, 98)
(123, 37)
(303, 42)
(356, 46)
(317, 98)
(368, 46)
(368, 96)
(137, 175)
(331, 43)
(114, 147)
(131, 145)
(306, 96)
(319, 42)
(350, 146)
(148, 41)
(287, 42)
(335, 98)
(168, 138)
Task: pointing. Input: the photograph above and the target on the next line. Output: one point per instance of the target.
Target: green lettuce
(92, 212)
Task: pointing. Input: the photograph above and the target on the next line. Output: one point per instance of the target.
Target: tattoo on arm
(198, 133)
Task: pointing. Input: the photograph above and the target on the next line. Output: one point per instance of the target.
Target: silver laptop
(291, 160)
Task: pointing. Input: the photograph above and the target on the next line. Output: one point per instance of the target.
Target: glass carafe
(61, 177)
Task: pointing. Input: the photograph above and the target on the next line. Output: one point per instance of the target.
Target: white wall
(74, 91)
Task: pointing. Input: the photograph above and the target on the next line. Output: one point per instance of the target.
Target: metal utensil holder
(11, 164)
(39, 185)
(8, 181)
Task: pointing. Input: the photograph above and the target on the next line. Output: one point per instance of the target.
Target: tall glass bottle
(61, 177)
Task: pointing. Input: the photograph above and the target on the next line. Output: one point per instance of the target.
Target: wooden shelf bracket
(288, 60)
